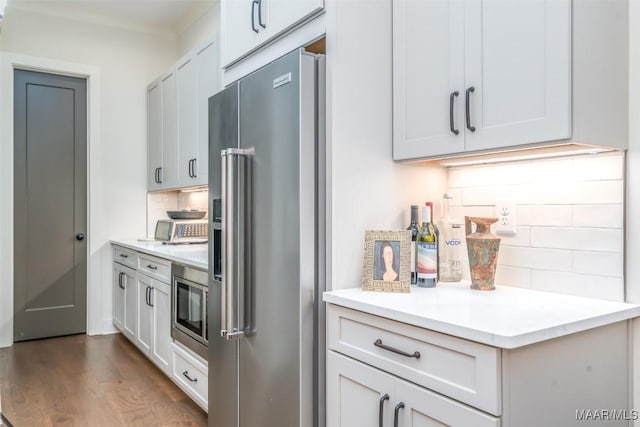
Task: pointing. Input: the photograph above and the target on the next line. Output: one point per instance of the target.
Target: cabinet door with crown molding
(475, 75)
(247, 25)
(518, 59)
(428, 78)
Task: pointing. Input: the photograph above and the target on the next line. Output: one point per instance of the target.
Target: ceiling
(148, 15)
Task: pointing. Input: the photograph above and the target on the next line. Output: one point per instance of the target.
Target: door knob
(80, 236)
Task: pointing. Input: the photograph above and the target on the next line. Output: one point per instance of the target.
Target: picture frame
(387, 261)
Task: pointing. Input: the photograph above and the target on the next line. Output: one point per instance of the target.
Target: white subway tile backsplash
(601, 167)
(599, 192)
(552, 171)
(513, 276)
(514, 173)
(540, 258)
(570, 218)
(521, 238)
(584, 239)
(485, 196)
(472, 176)
(547, 193)
(609, 264)
(610, 288)
(599, 239)
(457, 196)
(550, 215)
(552, 237)
(598, 216)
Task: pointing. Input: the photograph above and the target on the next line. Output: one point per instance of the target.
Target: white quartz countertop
(193, 255)
(507, 317)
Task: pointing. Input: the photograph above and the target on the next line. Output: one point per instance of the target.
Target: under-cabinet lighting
(194, 189)
(512, 156)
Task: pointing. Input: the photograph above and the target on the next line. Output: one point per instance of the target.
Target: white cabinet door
(208, 78)
(357, 394)
(239, 28)
(186, 97)
(154, 135)
(518, 60)
(282, 15)
(130, 303)
(474, 75)
(144, 330)
(161, 342)
(118, 296)
(169, 172)
(421, 407)
(248, 24)
(428, 69)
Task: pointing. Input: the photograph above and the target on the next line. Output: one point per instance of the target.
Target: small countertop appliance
(177, 231)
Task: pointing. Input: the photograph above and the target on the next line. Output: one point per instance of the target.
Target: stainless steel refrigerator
(266, 316)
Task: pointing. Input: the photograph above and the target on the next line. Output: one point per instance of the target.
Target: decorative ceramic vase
(482, 247)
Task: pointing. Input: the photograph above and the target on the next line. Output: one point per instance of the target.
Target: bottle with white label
(427, 251)
(413, 227)
(450, 245)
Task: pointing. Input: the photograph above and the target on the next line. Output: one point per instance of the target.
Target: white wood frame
(8, 63)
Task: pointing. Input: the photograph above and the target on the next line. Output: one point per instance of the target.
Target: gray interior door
(50, 158)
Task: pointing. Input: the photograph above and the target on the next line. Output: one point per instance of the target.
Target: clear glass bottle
(450, 245)
(413, 227)
(427, 251)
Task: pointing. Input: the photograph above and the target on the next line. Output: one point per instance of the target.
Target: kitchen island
(509, 357)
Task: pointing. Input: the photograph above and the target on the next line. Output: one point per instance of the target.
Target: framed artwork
(387, 262)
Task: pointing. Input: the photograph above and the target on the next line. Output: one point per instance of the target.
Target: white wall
(126, 61)
(368, 190)
(197, 31)
(569, 217)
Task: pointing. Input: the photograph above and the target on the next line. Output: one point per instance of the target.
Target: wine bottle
(413, 227)
(450, 245)
(427, 250)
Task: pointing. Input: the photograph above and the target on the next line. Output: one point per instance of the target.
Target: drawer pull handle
(152, 267)
(124, 255)
(381, 410)
(378, 343)
(396, 413)
(186, 374)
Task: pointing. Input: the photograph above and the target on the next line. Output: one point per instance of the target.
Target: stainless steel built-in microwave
(189, 324)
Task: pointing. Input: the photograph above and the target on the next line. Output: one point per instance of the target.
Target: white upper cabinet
(518, 60)
(154, 135)
(169, 172)
(208, 84)
(186, 71)
(248, 24)
(479, 74)
(178, 120)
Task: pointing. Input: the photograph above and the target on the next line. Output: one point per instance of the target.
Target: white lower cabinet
(154, 321)
(381, 372)
(142, 296)
(124, 299)
(191, 375)
(358, 394)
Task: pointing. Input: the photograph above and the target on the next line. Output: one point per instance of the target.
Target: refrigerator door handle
(232, 263)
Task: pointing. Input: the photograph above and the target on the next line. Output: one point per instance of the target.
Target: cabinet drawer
(191, 375)
(125, 256)
(155, 267)
(461, 369)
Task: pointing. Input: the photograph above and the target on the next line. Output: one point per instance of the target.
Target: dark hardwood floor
(83, 380)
